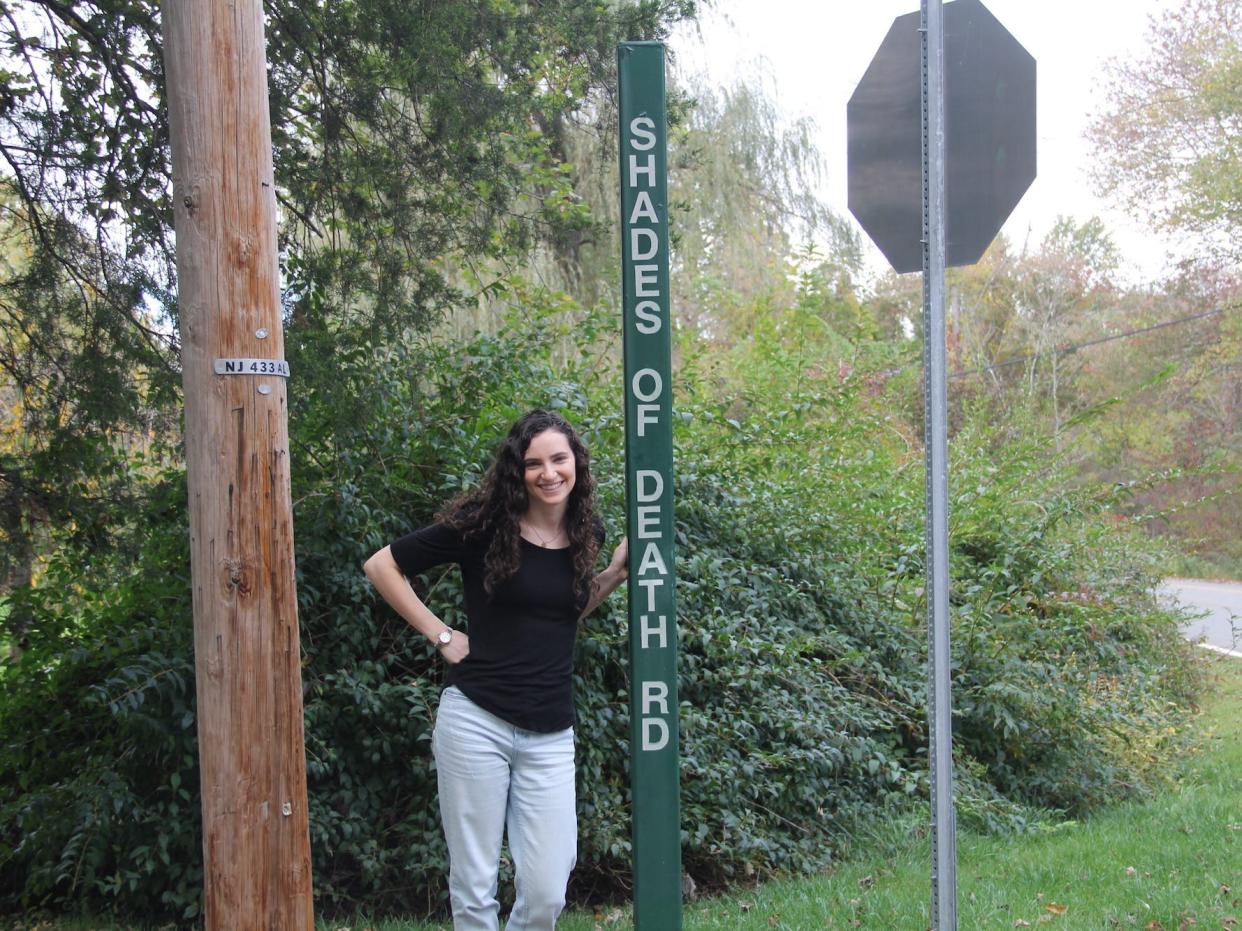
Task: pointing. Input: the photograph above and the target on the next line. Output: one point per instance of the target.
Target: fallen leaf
(1153, 925)
(689, 887)
(866, 882)
(1224, 889)
(745, 905)
(1131, 871)
(613, 917)
(773, 920)
(1021, 924)
(1056, 908)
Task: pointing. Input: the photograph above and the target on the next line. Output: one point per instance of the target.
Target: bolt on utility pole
(940, 701)
(256, 841)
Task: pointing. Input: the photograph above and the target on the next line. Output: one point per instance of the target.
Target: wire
(1060, 350)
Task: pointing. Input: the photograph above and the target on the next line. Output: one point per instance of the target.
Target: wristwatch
(444, 638)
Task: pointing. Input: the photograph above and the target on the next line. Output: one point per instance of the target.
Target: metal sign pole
(654, 770)
(940, 708)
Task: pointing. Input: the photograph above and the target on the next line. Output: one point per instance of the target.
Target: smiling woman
(550, 474)
(526, 541)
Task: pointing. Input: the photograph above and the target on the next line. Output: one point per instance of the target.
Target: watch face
(446, 637)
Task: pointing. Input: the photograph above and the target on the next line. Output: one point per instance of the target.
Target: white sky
(815, 52)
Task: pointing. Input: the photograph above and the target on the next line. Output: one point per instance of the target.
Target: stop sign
(989, 118)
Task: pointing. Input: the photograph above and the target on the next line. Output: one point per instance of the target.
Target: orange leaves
(1052, 911)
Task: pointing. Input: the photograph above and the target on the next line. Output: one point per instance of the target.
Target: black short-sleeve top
(520, 666)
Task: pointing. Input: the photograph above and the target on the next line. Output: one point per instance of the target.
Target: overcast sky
(815, 51)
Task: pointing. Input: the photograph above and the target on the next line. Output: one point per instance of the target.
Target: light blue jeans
(493, 775)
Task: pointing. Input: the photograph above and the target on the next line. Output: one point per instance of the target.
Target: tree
(1173, 432)
(80, 404)
(1013, 315)
(742, 199)
(743, 182)
(409, 141)
(1167, 145)
(1167, 140)
(1061, 292)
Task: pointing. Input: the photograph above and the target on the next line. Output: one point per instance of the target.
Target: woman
(526, 541)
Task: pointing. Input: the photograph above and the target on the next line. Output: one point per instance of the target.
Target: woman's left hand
(620, 559)
(611, 578)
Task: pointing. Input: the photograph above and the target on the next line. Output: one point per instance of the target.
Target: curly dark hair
(492, 511)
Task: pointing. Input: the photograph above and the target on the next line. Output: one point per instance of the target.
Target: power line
(1061, 350)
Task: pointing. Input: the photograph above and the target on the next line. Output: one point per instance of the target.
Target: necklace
(543, 541)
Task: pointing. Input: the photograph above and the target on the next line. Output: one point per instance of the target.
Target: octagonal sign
(989, 120)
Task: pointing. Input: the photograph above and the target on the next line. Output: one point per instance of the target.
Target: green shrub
(799, 535)
(1070, 678)
(98, 758)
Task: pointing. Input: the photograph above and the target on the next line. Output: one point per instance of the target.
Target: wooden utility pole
(256, 840)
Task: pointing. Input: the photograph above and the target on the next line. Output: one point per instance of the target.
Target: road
(1221, 625)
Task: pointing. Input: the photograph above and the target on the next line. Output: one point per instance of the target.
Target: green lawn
(1173, 863)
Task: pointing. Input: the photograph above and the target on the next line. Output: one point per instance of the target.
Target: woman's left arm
(611, 578)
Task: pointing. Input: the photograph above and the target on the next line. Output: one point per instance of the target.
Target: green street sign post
(649, 488)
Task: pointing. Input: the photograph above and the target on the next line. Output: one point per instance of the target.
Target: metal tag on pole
(940, 707)
(654, 752)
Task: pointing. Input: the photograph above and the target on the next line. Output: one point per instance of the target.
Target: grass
(1218, 568)
(1170, 863)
